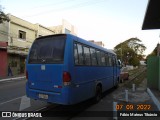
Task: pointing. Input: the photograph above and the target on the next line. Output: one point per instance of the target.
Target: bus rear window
(48, 50)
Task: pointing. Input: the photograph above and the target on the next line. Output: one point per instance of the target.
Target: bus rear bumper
(50, 97)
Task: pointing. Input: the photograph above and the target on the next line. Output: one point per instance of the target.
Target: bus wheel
(98, 94)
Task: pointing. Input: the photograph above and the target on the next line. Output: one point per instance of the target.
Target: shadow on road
(78, 110)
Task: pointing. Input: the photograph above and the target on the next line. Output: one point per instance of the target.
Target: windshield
(48, 50)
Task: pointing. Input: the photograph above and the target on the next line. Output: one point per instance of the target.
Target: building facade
(17, 36)
(100, 43)
(3, 48)
(3, 58)
(65, 27)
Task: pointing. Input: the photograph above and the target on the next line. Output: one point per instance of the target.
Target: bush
(134, 61)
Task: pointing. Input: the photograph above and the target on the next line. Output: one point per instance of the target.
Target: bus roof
(92, 44)
(81, 40)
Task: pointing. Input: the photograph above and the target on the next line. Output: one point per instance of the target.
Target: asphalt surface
(13, 98)
(11, 90)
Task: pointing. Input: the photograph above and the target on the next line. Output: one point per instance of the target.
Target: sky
(109, 21)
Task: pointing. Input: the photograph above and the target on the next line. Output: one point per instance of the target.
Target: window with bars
(22, 35)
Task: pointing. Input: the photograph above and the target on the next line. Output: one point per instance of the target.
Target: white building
(66, 27)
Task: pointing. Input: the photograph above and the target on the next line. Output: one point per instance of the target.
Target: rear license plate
(43, 96)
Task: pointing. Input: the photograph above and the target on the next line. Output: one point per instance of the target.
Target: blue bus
(65, 69)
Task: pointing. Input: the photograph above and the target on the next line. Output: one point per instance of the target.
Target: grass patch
(131, 72)
(137, 81)
(136, 70)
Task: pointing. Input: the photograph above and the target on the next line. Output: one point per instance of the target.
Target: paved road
(86, 110)
(10, 90)
(13, 99)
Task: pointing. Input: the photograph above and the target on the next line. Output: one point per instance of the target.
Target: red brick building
(3, 59)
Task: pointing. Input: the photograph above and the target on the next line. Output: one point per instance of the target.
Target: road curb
(155, 100)
(15, 78)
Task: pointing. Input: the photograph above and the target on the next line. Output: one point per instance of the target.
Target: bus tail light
(66, 78)
(27, 75)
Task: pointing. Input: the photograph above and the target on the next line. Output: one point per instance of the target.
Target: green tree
(3, 16)
(136, 45)
(134, 61)
(130, 51)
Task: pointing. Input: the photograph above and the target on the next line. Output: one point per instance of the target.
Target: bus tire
(98, 94)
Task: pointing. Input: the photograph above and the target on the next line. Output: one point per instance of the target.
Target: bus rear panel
(45, 70)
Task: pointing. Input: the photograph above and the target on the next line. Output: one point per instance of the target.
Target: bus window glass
(114, 61)
(48, 50)
(93, 56)
(110, 60)
(75, 54)
(107, 59)
(99, 57)
(80, 54)
(87, 58)
(103, 59)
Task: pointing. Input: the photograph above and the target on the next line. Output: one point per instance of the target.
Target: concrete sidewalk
(8, 78)
(155, 95)
(140, 97)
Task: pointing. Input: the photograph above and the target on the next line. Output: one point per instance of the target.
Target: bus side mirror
(119, 64)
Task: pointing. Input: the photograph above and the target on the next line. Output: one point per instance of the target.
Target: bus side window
(110, 60)
(103, 61)
(99, 57)
(87, 58)
(107, 59)
(80, 54)
(75, 54)
(93, 56)
(113, 61)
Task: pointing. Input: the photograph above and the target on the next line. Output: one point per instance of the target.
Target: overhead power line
(75, 6)
(55, 3)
